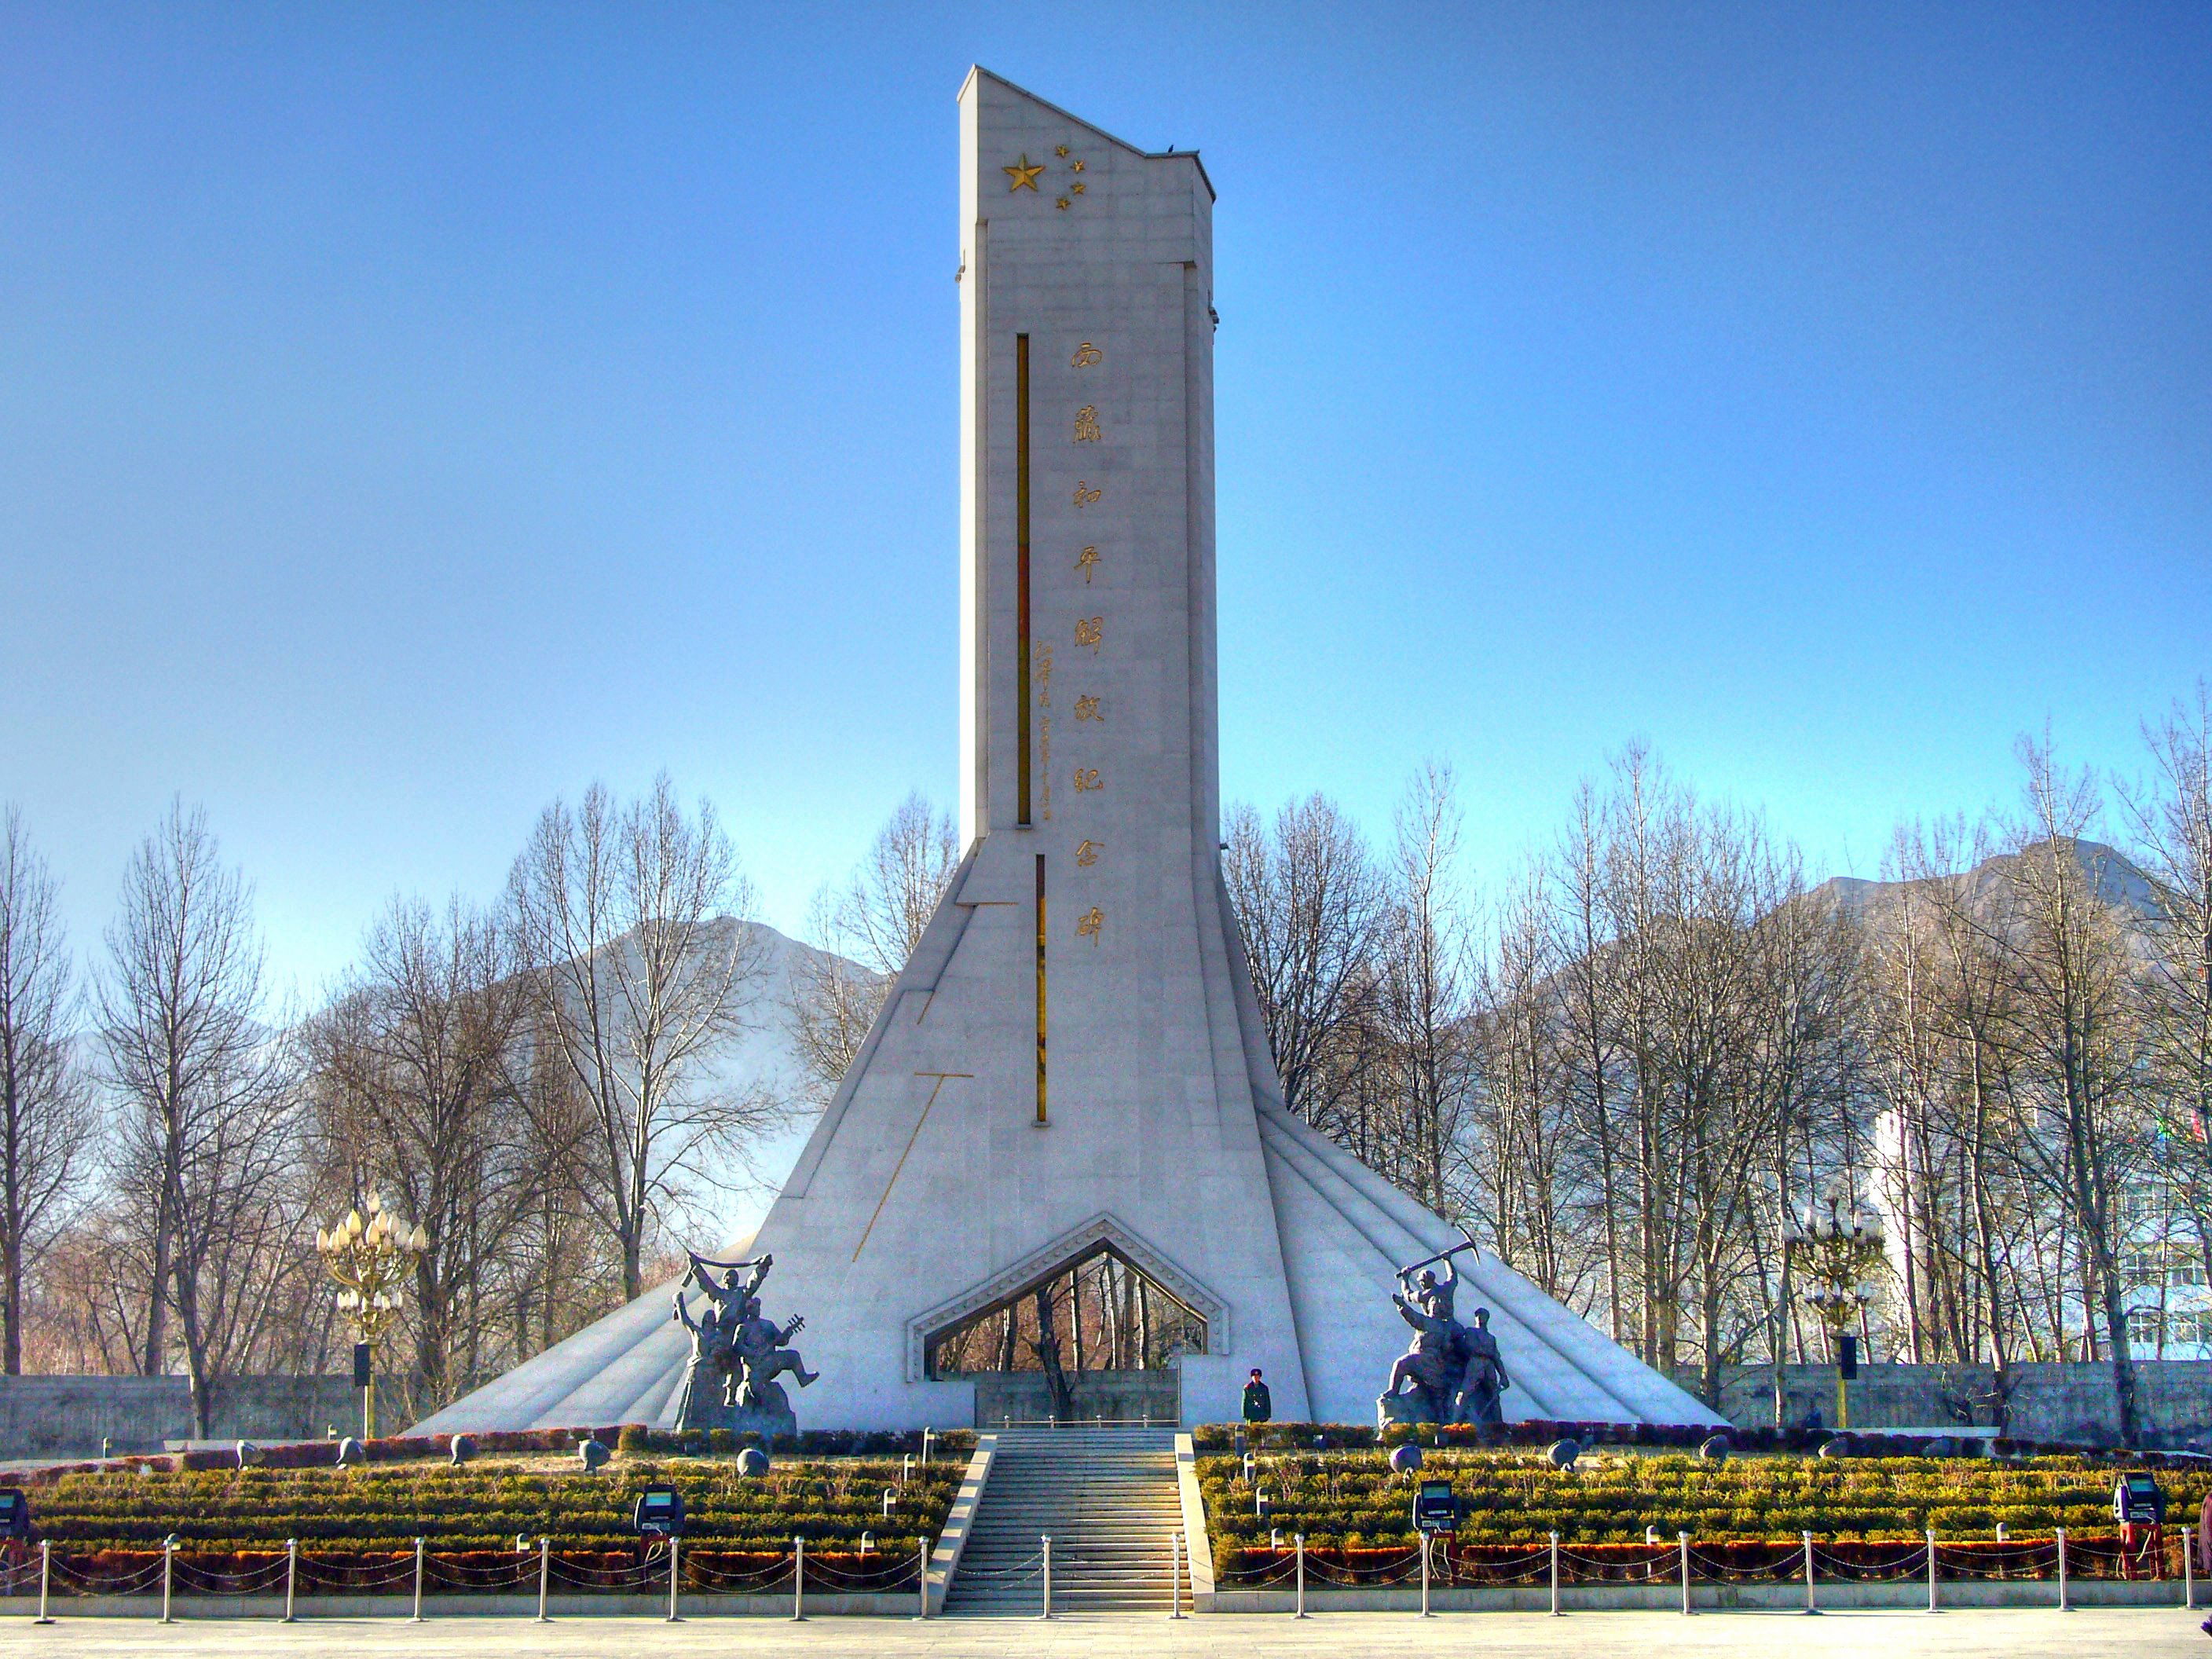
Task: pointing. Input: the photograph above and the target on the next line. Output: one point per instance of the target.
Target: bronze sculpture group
(736, 1354)
(1450, 1372)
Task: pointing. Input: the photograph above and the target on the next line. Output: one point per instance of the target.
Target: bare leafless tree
(1308, 898)
(2172, 821)
(45, 1116)
(2080, 1039)
(416, 1092)
(1940, 1030)
(1521, 1130)
(1423, 984)
(206, 1145)
(633, 925)
(864, 934)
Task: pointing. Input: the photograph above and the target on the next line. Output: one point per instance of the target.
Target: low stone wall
(2073, 1401)
(894, 1604)
(66, 1416)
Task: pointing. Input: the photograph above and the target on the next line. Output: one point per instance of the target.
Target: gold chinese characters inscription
(1088, 355)
(1087, 708)
(1087, 852)
(1086, 424)
(1021, 175)
(1090, 630)
(1087, 925)
(1085, 495)
(1086, 780)
(1086, 561)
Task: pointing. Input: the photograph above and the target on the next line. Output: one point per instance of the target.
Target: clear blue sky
(409, 412)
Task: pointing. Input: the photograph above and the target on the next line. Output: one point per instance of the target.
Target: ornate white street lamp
(1840, 1250)
(369, 1260)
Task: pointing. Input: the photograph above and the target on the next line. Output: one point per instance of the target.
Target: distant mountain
(765, 1058)
(2119, 883)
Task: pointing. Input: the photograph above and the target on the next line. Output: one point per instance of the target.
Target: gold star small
(1062, 150)
(1079, 186)
(1061, 203)
(1021, 175)
(1074, 166)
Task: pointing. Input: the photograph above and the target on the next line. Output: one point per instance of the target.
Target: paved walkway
(2088, 1633)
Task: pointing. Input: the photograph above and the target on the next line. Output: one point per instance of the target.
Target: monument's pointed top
(977, 72)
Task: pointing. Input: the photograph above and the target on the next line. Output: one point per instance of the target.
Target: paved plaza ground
(2088, 1633)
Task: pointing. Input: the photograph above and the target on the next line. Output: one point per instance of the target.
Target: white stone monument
(1074, 1059)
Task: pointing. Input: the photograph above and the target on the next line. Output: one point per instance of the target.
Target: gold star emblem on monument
(1021, 175)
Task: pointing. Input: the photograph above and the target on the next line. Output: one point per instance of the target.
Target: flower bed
(632, 1437)
(1349, 1500)
(638, 1570)
(484, 1505)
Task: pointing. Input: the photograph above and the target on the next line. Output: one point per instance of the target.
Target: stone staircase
(1108, 1499)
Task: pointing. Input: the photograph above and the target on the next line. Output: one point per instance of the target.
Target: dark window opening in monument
(1097, 1313)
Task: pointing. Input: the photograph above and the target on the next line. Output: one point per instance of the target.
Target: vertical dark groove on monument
(1022, 583)
(1041, 1117)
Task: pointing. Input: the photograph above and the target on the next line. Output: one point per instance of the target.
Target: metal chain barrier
(661, 1568)
(1020, 1573)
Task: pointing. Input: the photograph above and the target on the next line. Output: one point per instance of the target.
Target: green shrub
(1511, 1493)
(484, 1505)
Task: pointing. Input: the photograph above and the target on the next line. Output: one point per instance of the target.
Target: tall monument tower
(1073, 1065)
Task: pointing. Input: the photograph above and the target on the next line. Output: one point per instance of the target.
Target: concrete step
(1108, 1499)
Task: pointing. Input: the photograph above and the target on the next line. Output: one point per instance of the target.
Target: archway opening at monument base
(1096, 1312)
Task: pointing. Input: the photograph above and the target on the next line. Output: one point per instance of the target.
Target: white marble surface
(928, 1178)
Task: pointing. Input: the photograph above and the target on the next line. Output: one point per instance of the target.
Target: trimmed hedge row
(1684, 1436)
(1351, 1498)
(485, 1505)
(632, 1437)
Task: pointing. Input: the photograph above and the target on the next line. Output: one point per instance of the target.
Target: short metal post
(46, 1562)
(1047, 1576)
(1931, 1569)
(1682, 1541)
(798, 1577)
(1425, 1575)
(1555, 1575)
(291, 1574)
(2064, 1605)
(168, 1566)
(2189, 1568)
(545, 1576)
(674, 1575)
(1810, 1605)
(1174, 1575)
(417, 1618)
(921, 1576)
(1301, 1575)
